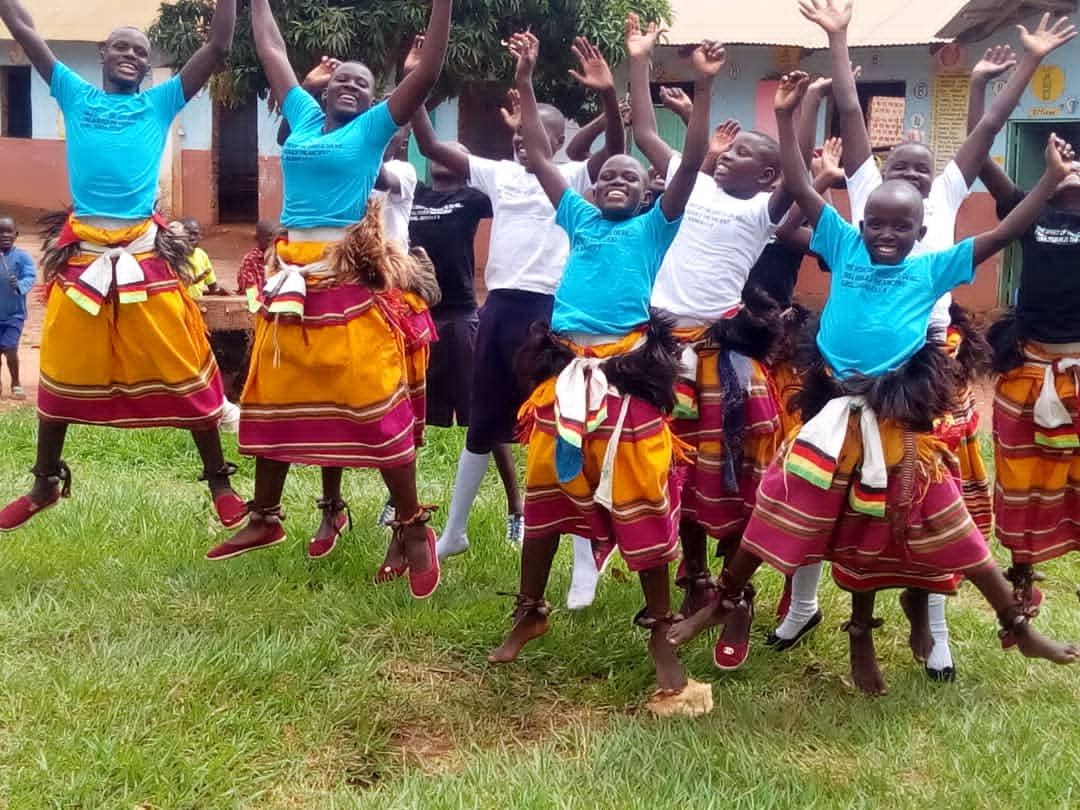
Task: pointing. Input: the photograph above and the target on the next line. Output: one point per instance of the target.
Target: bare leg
(741, 567)
(916, 607)
(50, 446)
(269, 485)
(12, 356)
(699, 592)
(864, 665)
(331, 487)
(504, 463)
(530, 618)
(208, 443)
(998, 592)
(669, 672)
(411, 542)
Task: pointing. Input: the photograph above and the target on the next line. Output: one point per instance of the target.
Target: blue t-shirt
(877, 315)
(329, 175)
(15, 264)
(608, 279)
(115, 142)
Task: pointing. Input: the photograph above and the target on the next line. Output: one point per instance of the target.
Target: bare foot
(1035, 645)
(864, 666)
(689, 628)
(414, 541)
(916, 608)
(699, 594)
(526, 627)
(669, 672)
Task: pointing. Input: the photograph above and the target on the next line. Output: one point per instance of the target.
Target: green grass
(134, 674)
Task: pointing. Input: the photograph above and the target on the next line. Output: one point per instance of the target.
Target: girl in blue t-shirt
(865, 484)
(328, 382)
(600, 450)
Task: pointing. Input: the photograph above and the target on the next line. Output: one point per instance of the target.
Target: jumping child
(600, 449)
(865, 483)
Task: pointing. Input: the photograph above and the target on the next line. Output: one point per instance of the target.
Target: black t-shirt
(1048, 301)
(777, 271)
(444, 224)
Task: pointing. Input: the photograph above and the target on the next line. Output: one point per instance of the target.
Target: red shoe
(270, 533)
(20, 510)
(321, 546)
(1008, 640)
(231, 510)
(784, 604)
(732, 656)
(389, 573)
(423, 584)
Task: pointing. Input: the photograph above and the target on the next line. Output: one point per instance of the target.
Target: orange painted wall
(270, 189)
(33, 173)
(199, 194)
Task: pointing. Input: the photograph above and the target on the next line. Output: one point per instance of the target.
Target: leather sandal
(20, 510)
(728, 657)
(338, 511)
(231, 510)
(422, 584)
(267, 521)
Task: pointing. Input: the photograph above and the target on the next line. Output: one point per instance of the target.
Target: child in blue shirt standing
(16, 278)
(865, 484)
(600, 449)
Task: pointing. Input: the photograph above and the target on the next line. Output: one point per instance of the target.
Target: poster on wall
(885, 121)
(948, 117)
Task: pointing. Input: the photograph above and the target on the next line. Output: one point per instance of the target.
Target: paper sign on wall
(886, 121)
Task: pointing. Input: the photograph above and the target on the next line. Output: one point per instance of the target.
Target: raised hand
(512, 117)
(1044, 39)
(319, 76)
(638, 42)
(832, 15)
(626, 113)
(790, 90)
(1059, 157)
(412, 59)
(525, 48)
(708, 58)
(827, 163)
(676, 100)
(994, 62)
(723, 136)
(595, 73)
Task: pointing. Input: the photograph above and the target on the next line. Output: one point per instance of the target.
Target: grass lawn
(136, 675)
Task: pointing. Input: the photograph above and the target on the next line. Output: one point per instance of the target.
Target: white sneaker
(387, 515)
(515, 530)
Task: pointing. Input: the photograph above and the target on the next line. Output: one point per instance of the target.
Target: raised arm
(580, 146)
(796, 181)
(707, 60)
(270, 48)
(808, 115)
(721, 139)
(995, 61)
(408, 97)
(834, 16)
(676, 100)
(426, 140)
(639, 45)
(1059, 158)
(315, 83)
(210, 57)
(1037, 44)
(21, 25)
(827, 173)
(596, 75)
(525, 48)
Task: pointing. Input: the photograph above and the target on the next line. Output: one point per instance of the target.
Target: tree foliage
(379, 32)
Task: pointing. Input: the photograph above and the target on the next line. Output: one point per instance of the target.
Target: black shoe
(781, 644)
(946, 675)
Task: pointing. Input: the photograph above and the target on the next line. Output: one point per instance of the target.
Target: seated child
(600, 449)
(252, 273)
(199, 265)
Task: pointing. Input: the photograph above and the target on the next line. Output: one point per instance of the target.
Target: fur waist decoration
(974, 355)
(1003, 336)
(754, 331)
(914, 395)
(648, 373)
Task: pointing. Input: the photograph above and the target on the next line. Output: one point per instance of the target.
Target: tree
(379, 32)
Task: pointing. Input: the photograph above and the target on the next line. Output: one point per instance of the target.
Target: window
(16, 119)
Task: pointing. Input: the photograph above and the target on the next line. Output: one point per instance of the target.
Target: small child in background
(252, 272)
(202, 269)
(17, 276)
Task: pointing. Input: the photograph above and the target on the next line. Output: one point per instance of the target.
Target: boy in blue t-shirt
(16, 278)
(849, 490)
(599, 449)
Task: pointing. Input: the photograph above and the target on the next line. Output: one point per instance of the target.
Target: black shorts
(450, 369)
(504, 325)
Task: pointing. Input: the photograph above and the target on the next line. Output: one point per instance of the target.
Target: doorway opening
(237, 160)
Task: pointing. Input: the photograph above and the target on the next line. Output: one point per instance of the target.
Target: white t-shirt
(528, 250)
(720, 239)
(398, 206)
(947, 194)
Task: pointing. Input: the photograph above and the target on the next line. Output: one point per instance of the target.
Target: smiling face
(349, 92)
(913, 163)
(621, 187)
(554, 124)
(7, 234)
(892, 222)
(749, 165)
(125, 60)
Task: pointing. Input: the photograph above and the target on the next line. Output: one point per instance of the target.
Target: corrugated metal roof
(778, 22)
(87, 20)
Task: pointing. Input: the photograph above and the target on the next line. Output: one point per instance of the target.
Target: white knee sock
(804, 601)
(470, 472)
(585, 577)
(941, 656)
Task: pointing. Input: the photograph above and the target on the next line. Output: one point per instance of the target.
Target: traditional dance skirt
(122, 342)
(733, 429)
(879, 500)
(1037, 454)
(420, 335)
(329, 379)
(600, 458)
